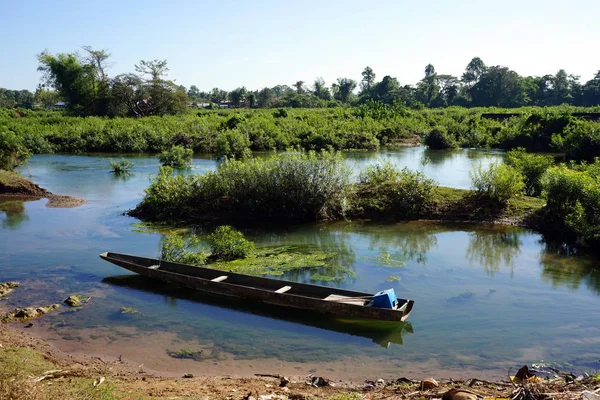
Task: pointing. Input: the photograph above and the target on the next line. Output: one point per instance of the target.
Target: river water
(486, 298)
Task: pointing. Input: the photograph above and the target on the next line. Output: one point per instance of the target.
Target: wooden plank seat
(283, 289)
(345, 299)
(219, 278)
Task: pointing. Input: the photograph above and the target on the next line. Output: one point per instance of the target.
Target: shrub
(564, 187)
(297, 185)
(499, 182)
(280, 113)
(227, 244)
(293, 185)
(233, 144)
(13, 152)
(121, 167)
(180, 249)
(176, 157)
(574, 197)
(232, 122)
(531, 166)
(439, 139)
(168, 196)
(404, 193)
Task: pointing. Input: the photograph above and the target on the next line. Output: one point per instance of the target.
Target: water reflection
(14, 211)
(562, 265)
(493, 248)
(382, 333)
(416, 240)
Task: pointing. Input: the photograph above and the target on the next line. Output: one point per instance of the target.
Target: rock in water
(459, 394)
(75, 300)
(25, 314)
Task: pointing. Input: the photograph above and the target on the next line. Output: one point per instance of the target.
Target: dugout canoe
(321, 299)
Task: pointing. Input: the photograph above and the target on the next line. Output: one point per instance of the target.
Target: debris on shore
(7, 287)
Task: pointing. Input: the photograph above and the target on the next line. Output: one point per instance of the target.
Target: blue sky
(261, 43)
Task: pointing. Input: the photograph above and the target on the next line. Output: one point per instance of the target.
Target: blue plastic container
(385, 299)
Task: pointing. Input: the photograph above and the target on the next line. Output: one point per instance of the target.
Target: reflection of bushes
(15, 213)
(493, 249)
(563, 266)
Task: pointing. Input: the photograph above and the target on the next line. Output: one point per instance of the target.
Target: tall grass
(296, 185)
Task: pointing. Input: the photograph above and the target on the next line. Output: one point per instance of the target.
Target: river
(486, 298)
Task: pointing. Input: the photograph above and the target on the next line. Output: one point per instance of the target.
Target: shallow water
(485, 298)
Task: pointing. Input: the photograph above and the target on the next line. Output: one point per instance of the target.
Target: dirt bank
(31, 369)
(15, 185)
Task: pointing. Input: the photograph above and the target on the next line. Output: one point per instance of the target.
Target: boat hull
(305, 297)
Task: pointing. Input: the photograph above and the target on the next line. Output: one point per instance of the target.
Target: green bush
(439, 139)
(280, 113)
(574, 197)
(531, 166)
(385, 189)
(122, 166)
(181, 249)
(564, 187)
(233, 144)
(13, 152)
(293, 185)
(169, 197)
(176, 157)
(227, 244)
(499, 182)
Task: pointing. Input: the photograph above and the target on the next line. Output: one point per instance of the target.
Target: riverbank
(15, 185)
(32, 369)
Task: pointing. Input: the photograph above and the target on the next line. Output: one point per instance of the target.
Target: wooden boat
(382, 333)
(316, 298)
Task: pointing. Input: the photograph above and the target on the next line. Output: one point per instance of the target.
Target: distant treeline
(82, 83)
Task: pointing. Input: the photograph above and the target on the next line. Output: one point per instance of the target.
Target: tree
(194, 93)
(163, 96)
(299, 85)
(251, 99)
(498, 87)
(428, 88)
(368, 80)
(216, 95)
(321, 90)
(46, 98)
(343, 89)
(591, 91)
(265, 97)
(475, 69)
(238, 96)
(449, 88)
(385, 91)
(75, 80)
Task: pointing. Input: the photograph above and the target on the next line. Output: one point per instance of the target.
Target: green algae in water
(148, 227)
(385, 258)
(129, 310)
(393, 278)
(276, 261)
(186, 354)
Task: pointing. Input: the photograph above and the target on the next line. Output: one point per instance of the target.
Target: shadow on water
(14, 210)
(382, 333)
(558, 267)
